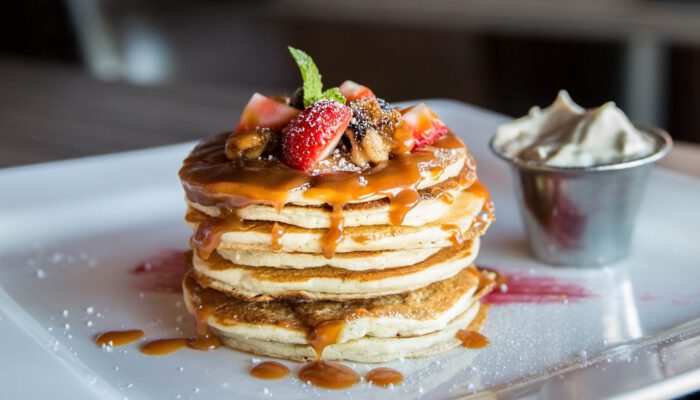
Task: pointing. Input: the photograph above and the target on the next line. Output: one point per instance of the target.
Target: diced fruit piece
(264, 112)
(425, 126)
(354, 91)
(314, 133)
(249, 145)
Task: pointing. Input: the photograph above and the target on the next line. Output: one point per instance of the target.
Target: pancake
(263, 284)
(354, 261)
(366, 349)
(434, 201)
(468, 216)
(211, 179)
(431, 316)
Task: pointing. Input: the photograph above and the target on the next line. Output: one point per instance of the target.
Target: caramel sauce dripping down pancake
(211, 179)
(323, 325)
(328, 283)
(324, 334)
(471, 205)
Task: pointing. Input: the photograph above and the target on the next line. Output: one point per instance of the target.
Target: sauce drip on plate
(472, 339)
(160, 347)
(269, 370)
(119, 338)
(384, 376)
(328, 375)
(203, 340)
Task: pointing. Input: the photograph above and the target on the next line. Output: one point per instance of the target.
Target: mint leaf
(333, 94)
(312, 80)
(309, 73)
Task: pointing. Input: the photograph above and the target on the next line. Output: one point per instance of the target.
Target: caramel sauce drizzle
(269, 370)
(470, 337)
(277, 233)
(204, 339)
(160, 347)
(328, 375)
(207, 236)
(334, 234)
(457, 237)
(325, 334)
(446, 197)
(436, 172)
(478, 189)
(362, 239)
(119, 338)
(211, 179)
(401, 204)
(384, 377)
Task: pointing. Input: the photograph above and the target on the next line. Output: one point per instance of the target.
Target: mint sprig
(333, 94)
(313, 86)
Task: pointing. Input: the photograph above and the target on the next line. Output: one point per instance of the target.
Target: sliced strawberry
(424, 124)
(314, 133)
(264, 112)
(354, 91)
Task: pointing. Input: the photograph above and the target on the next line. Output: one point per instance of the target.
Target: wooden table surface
(50, 112)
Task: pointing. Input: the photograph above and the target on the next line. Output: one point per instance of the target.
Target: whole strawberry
(314, 133)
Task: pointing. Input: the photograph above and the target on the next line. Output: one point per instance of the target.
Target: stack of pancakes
(363, 265)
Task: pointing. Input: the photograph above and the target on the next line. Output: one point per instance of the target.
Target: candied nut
(373, 131)
(373, 148)
(248, 144)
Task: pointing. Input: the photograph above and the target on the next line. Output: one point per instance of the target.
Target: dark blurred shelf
(50, 112)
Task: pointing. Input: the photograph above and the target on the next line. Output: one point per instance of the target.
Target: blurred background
(128, 73)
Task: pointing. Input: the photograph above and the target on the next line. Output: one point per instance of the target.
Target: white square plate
(71, 233)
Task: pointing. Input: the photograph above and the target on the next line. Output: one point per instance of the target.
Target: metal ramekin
(583, 216)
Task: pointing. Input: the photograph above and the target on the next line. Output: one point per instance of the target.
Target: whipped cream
(567, 135)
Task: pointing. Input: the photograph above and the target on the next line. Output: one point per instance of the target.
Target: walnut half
(372, 132)
(249, 145)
